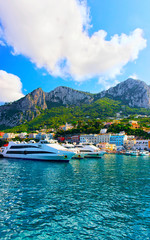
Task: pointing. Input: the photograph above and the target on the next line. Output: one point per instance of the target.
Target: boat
(89, 150)
(1, 150)
(128, 153)
(74, 149)
(144, 153)
(134, 153)
(44, 150)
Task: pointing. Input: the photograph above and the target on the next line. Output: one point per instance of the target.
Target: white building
(104, 138)
(32, 135)
(22, 135)
(8, 135)
(129, 143)
(103, 131)
(95, 138)
(66, 127)
(90, 138)
(142, 144)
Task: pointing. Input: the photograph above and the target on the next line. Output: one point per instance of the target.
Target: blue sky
(30, 60)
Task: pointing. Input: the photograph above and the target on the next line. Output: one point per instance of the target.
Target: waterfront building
(40, 136)
(8, 136)
(32, 135)
(75, 138)
(107, 146)
(49, 136)
(95, 138)
(142, 144)
(22, 135)
(1, 134)
(104, 138)
(129, 144)
(118, 139)
(90, 138)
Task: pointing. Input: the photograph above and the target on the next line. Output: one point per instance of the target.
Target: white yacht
(44, 150)
(89, 150)
(73, 148)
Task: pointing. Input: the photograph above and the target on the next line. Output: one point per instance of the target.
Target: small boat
(128, 153)
(134, 153)
(44, 150)
(144, 153)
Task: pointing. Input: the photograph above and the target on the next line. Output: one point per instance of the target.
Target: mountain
(133, 93)
(31, 106)
(25, 109)
(68, 96)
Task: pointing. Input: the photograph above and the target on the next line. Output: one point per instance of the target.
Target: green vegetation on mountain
(117, 128)
(56, 116)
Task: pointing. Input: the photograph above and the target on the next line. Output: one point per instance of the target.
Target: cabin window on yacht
(19, 147)
(29, 152)
(85, 151)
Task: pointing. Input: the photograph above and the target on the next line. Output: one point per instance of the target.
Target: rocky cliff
(134, 93)
(68, 96)
(30, 106)
(25, 109)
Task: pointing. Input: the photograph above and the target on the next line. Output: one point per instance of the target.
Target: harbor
(82, 199)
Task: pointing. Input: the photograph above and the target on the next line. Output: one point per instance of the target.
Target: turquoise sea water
(107, 198)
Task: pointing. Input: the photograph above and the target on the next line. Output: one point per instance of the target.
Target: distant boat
(135, 153)
(44, 150)
(89, 150)
(128, 152)
(144, 153)
(74, 149)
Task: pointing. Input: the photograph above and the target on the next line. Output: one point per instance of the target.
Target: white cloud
(2, 43)
(54, 35)
(107, 83)
(10, 87)
(1, 36)
(133, 76)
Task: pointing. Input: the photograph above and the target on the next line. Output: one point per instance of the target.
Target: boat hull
(93, 155)
(58, 158)
(142, 154)
(37, 159)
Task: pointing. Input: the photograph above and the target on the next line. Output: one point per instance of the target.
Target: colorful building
(142, 144)
(118, 139)
(66, 127)
(107, 146)
(1, 134)
(134, 124)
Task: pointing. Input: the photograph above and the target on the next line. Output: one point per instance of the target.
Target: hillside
(64, 100)
(100, 109)
(134, 93)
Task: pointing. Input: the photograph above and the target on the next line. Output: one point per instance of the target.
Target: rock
(134, 93)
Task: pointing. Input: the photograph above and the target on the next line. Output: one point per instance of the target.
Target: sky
(86, 45)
